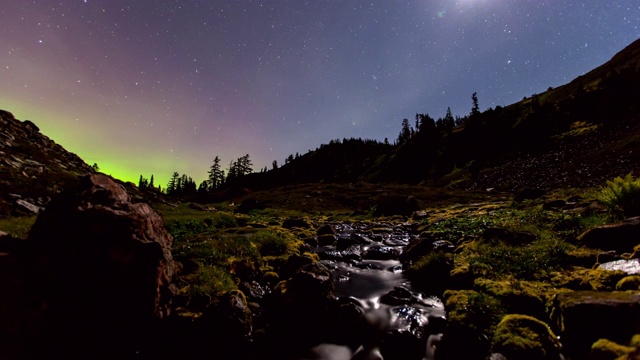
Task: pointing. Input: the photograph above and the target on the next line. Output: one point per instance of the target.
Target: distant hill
(576, 135)
(33, 168)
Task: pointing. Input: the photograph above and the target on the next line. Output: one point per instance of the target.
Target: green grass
(622, 195)
(530, 262)
(17, 226)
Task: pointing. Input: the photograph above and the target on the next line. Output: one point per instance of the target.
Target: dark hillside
(561, 137)
(340, 161)
(581, 126)
(33, 167)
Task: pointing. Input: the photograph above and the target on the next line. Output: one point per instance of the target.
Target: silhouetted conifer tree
(426, 124)
(143, 183)
(204, 187)
(173, 182)
(405, 132)
(216, 174)
(475, 108)
(448, 122)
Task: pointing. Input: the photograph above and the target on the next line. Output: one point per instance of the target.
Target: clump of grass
(223, 220)
(182, 230)
(211, 280)
(217, 249)
(271, 242)
(214, 253)
(622, 195)
(17, 227)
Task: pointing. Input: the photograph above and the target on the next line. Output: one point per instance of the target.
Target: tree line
(424, 123)
(182, 184)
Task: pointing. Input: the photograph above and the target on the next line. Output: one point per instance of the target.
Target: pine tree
(232, 173)
(244, 165)
(216, 174)
(143, 183)
(475, 109)
(151, 185)
(448, 122)
(405, 132)
(173, 182)
(204, 187)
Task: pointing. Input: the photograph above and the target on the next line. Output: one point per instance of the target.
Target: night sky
(156, 86)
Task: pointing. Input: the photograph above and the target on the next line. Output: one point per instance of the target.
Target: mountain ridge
(576, 135)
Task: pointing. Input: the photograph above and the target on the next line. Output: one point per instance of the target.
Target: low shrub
(622, 195)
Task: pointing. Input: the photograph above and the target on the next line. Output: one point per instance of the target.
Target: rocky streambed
(97, 278)
(364, 259)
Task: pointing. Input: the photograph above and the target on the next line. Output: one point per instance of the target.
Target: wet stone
(382, 252)
(395, 322)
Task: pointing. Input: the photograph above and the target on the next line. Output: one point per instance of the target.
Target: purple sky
(154, 86)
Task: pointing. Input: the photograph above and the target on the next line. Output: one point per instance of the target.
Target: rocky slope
(32, 167)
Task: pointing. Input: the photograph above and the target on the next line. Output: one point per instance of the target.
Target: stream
(367, 272)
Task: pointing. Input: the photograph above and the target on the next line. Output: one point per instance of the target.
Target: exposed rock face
(102, 264)
(32, 166)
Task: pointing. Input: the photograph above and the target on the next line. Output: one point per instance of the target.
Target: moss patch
(517, 296)
(629, 283)
(472, 310)
(525, 337)
(607, 349)
(587, 279)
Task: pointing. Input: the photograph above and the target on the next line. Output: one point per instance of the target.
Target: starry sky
(157, 86)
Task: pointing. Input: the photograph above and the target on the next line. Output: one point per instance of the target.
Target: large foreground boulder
(583, 317)
(102, 266)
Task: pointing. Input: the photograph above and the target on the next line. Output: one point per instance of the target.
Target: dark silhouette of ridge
(584, 124)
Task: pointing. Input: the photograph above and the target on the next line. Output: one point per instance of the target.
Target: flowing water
(367, 273)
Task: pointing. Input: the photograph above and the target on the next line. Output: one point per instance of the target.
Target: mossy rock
(629, 283)
(582, 257)
(271, 278)
(608, 350)
(524, 337)
(431, 273)
(587, 279)
(461, 276)
(583, 317)
(471, 317)
(521, 297)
